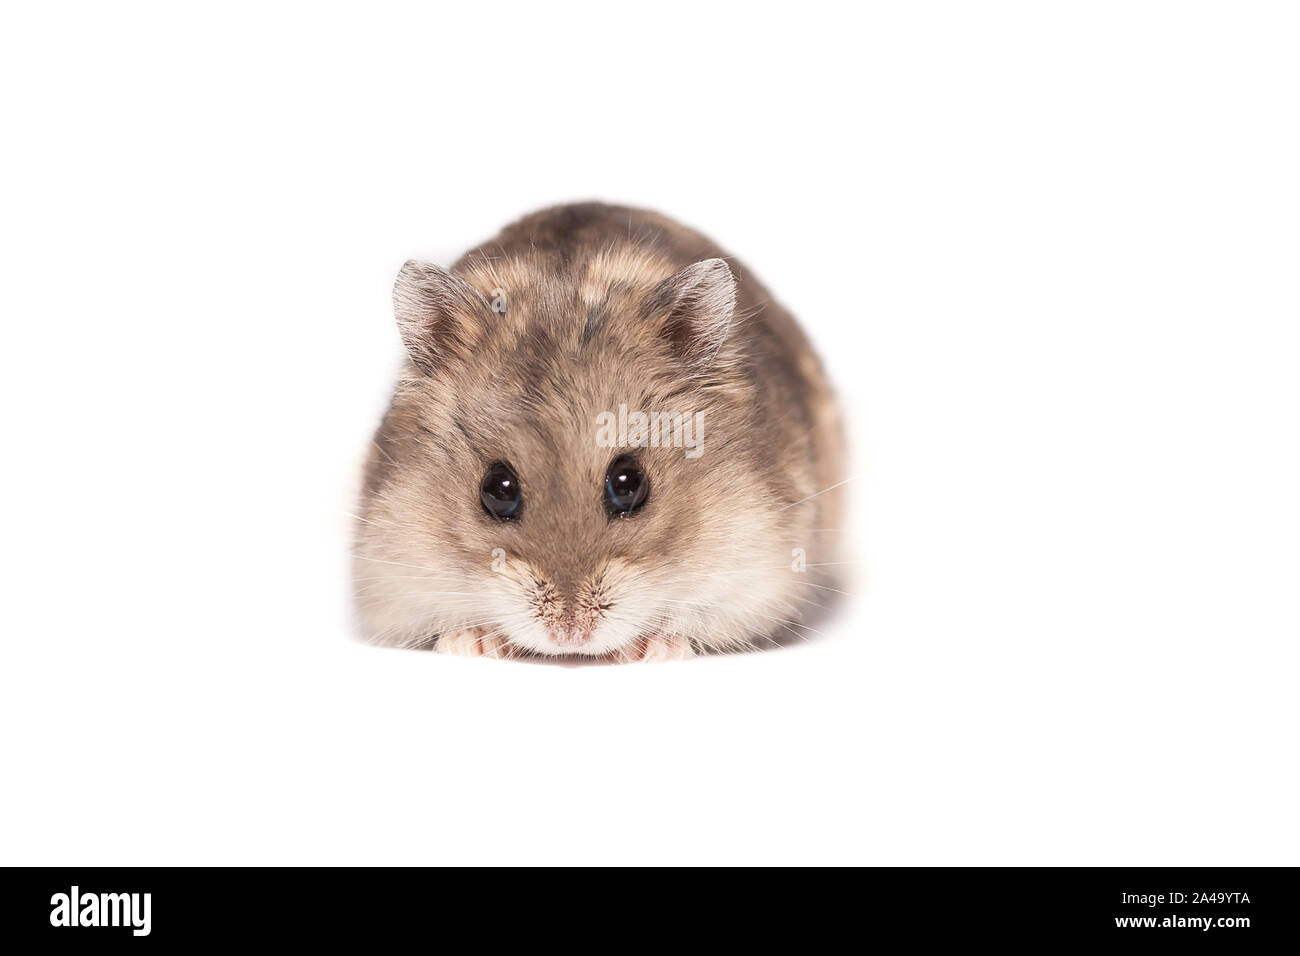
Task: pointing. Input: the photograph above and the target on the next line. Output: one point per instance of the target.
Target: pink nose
(569, 636)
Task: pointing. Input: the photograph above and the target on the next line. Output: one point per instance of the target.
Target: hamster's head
(567, 462)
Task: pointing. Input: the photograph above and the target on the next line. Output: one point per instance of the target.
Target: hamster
(606, 441)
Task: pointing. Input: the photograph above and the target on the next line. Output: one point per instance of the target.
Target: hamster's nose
(570, 635)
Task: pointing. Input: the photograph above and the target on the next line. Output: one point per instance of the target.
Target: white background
(1049, 253)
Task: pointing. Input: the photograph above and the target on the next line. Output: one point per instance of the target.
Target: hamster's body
(500, 512)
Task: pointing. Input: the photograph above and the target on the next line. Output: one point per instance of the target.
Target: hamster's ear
(696, 306)
(438, 313)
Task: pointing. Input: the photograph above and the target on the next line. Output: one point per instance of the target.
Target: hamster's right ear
(438, 313)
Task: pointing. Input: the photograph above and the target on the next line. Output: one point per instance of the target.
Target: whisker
(817, 493)
(397, 564)
(774, 620)
(825, 588)
(785, 567)
(379, 448)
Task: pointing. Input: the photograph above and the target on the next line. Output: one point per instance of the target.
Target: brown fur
(589, 325)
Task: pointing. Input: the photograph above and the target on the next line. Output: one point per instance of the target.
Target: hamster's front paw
(471, 642)
(656, 647)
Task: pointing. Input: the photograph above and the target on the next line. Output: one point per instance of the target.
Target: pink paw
(471, 642)
(655, 647)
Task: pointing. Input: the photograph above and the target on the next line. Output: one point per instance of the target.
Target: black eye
(626, 486)
(500, 492)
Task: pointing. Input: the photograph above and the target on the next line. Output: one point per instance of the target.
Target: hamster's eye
(626, 486)
(500, 492)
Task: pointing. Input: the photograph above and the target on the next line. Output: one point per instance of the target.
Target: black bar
(1225, 908)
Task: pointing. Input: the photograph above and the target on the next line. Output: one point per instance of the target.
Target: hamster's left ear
(696, 306)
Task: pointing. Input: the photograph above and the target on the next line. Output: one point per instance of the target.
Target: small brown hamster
(606, 440)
